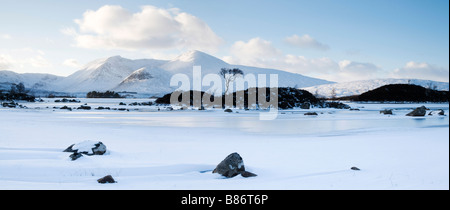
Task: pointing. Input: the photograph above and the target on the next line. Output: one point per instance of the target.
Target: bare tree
(333, 93)
(230, 75)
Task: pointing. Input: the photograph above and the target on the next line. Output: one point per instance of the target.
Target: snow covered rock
(232, 166)
(418, 112)
(439, 112)
(87, 148)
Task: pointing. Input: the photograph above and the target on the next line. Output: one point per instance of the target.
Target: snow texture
(150, 149)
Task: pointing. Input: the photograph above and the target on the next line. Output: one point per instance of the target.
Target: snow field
(178, 150)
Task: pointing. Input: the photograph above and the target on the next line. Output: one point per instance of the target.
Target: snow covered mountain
(147, 80)
(32, 81)
(359, 87)
(105, 74)
(152, 77)
(212, 65)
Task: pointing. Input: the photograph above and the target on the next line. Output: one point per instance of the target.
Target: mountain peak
(116, 57)
(195, 56)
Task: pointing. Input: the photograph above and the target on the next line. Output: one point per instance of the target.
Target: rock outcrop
(232, 166)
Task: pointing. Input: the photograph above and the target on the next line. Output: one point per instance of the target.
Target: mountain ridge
(361, 86)
(152, 77)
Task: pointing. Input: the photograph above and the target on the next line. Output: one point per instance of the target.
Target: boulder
(418, 112)
(355, 169)
(228, 110)
(10, 105)
(439, 112)
(232, 166)
(386, 112)
(75, 156)
(311, 114)
(305, 105)
(106, 180)
(86, 148)
(84, 107)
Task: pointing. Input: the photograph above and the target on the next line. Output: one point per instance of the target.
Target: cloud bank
(152, 28)
(261, 53)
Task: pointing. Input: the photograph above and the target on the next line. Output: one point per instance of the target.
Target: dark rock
(311, 114)
(65, 100)
(232, 166)
(84, 107)
(66, 107)
(75, 156)
(439, 112)
(354, 109)
(305, 105)
(355, 169)
(69, 149)
(247, 174)
(10, 105)
(336, 105)
(106, 180)
(418, 112)
(228, 110)
(386, 112)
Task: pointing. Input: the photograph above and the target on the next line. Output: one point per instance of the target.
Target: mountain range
(150, 77)
(144, 76)
(359, 87)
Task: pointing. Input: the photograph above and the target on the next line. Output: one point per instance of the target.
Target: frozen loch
(151, 149)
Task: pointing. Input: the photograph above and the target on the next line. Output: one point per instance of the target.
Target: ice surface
(173, 149)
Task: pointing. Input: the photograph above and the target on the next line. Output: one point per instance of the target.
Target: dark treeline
(288, 98)
(107, 94)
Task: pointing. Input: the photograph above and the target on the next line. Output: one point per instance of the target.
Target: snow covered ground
(178, 149)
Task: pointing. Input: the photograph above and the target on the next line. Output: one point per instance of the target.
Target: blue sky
(339, 40)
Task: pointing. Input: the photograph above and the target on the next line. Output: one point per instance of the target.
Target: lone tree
(230, 75)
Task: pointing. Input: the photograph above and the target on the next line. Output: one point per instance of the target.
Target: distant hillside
(404, 92)
(360, 87)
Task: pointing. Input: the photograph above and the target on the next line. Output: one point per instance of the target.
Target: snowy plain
(165, 150)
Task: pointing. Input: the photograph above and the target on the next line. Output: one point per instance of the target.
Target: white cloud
(113, 27)
(261, 53)
(73, 63)
(306, 41)
(39, 62)
(23, 60)
(255, 52)
(6, 62)
(5, 36)
(422, 70)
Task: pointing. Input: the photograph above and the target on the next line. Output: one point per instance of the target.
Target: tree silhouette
(230, 75)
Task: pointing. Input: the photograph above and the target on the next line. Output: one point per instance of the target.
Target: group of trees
(16, 92)
(107, 94)
(287, 98)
